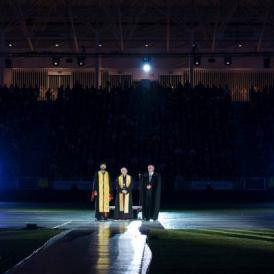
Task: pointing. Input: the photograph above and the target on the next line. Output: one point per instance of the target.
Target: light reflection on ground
(252, 217)
(117, 246)
(239, 218)
(105, 248)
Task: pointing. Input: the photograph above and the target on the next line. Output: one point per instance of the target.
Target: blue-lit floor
(87, 246)
(18, 215)
(107, 248)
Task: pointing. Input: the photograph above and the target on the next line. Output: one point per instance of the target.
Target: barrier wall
(239, 81)
(179, 184)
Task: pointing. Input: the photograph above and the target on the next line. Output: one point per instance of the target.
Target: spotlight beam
(146, 67)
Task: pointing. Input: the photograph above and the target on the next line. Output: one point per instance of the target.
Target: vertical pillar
(2, 71)
(192, 50)
(98, 78)
(2, 59)
(191, 69)
(168, 29)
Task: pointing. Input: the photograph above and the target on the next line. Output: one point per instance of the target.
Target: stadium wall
(239, 81)
(242, 74)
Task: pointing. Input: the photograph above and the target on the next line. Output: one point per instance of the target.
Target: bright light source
(146, 67)
(57, 45)
(100, 45)
(228, 60)
(56, 61)
(197, 61)
(10, 45)
(146, 45)
(81, 61)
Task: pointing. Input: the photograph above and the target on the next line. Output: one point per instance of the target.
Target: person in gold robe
(102, 193)
(123, 201)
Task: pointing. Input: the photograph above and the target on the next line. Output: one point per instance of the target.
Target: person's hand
(93, 195)
(148, 186)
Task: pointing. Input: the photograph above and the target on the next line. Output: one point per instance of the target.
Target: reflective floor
(113, 247)
(14, 215)
(237, 218)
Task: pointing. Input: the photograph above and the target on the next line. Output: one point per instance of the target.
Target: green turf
(17, 244)
(212, 251)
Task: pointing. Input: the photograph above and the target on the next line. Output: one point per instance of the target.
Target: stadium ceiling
(160, 27)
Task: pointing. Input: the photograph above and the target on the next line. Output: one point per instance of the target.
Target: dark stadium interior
(185, 85)
(187, 132)
(180, 129)
(136, 136)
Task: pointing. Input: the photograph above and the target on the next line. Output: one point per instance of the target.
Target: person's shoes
(100, 219)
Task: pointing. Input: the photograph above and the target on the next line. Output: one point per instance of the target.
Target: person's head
(124, 171)
(150, 168)
(103, 166)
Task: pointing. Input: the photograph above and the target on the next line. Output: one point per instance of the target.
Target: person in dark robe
(102, 193)
(150, 194)
(123, 201)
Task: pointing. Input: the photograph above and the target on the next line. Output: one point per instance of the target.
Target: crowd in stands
(262, 117)
(181, 130)
(17, 119)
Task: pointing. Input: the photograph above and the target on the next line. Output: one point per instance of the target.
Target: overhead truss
(136, 26)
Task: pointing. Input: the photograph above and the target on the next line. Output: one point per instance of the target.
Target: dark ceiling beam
(24, 26)
(73, 30)
(163, 54)
(259, 46)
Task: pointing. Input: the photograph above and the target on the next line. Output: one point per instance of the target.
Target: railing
(238, 81)
(239, 95)
(236, 95)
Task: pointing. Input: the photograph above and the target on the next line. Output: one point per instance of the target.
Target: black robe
(99, 215)
(120, 214)
(150, 198)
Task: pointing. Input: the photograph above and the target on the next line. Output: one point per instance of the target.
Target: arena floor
(118, 246)
(259, 216)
